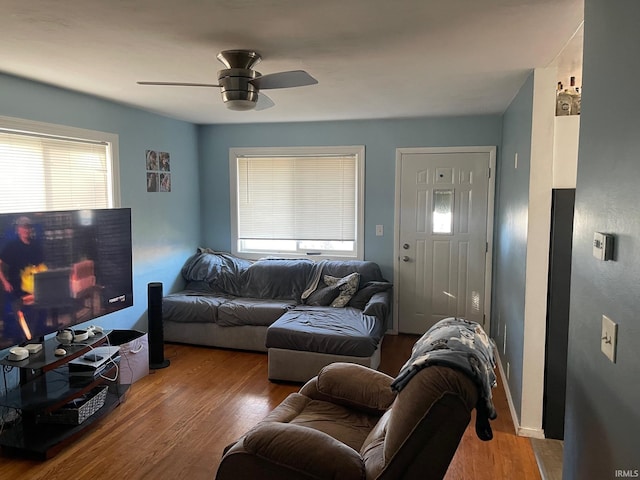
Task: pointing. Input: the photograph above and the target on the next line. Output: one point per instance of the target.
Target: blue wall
(603, 398)
(510, 238)
(380, 138)
(165, 226)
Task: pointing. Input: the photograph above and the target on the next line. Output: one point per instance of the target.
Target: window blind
(41, 172)
(297, 198)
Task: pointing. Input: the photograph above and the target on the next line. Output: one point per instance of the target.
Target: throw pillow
(347, 285)
(362, 296)
(323, 296)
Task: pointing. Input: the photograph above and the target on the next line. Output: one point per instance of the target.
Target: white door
(442, 245)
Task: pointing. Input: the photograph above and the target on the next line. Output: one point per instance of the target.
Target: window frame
(358, 151)
(35, 128)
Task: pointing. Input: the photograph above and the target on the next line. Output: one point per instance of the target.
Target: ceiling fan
(241, 86)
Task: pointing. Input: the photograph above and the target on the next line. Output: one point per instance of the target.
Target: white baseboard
(531, 433)
(520, 431)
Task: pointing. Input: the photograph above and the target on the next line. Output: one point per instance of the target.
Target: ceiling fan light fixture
(239, 58)
(240, 105)
(239, 100)
(237, 93)
(240, 85)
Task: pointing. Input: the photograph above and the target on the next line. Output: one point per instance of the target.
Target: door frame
(491, 150)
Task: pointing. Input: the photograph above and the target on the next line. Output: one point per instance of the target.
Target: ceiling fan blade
(263, 102)
(293, 78)
(177, 84)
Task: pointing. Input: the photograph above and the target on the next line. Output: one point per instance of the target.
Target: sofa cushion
(362, 296)
(342, 423)
(323, 297)
(192, 306)
(367, 390)
(251, 311)
(286, 449)
(369, 271)
(221, 271)
(372, 450)
(336, 331)
(277, 279)
(347, 285)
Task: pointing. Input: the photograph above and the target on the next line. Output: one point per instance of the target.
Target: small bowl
(80, 335)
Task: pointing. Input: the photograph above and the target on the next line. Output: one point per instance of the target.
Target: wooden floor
(176, 421)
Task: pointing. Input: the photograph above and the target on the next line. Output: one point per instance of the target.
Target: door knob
(405, 259)
(405, 246)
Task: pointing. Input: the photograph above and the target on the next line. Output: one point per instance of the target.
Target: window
(443, 211)
(295, 201)
(52, 167)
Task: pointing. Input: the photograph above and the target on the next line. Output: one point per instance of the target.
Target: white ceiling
(372, 58)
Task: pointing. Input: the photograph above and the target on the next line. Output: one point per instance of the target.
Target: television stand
(45, 387)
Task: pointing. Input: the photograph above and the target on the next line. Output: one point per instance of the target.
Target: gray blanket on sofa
(460, 344)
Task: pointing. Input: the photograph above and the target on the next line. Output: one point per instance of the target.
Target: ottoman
(307, 338)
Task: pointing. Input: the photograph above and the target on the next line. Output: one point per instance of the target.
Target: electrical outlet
(609, 338)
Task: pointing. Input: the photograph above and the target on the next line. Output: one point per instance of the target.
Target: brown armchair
(347, 423)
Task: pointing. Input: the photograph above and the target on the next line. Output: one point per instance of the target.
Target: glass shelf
(47, 385)
(46, 359)
(42, 441)
(52, 390)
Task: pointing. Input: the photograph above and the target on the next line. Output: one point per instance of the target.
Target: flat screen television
(62, 268)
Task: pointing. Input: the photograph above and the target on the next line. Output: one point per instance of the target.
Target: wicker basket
(78, 411)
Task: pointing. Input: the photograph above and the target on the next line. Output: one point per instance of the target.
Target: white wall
(565, 151)
(537, 267)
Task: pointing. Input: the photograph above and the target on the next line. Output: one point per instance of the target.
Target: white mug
(65, 337)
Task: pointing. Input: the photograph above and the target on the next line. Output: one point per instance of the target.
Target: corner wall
(165, 226)
(602, 414)
(525, 180)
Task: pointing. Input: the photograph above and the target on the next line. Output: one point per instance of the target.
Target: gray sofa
(305, 314)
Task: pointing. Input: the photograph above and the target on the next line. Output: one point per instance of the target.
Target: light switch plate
(609, 338)
(379, 230)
